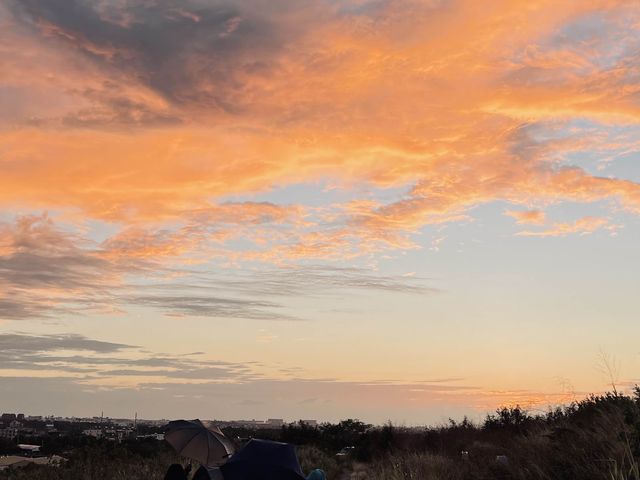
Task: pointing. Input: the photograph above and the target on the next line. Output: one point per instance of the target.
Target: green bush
(312, 457)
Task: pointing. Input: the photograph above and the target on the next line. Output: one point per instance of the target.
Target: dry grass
(416, 466)
(312, 457)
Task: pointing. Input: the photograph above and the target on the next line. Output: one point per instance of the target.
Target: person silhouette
(175, 472)
(204, 473)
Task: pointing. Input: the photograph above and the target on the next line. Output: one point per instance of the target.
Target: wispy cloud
(19, 343)
(76, 373)
(534, 217)
(43, 269)
(46, 272)
(582, 226)
(89, 360)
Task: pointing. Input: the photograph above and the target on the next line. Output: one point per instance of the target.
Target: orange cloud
(582, 226)
(461, 106)
(535, 217)
(204, 232)
(44, 270)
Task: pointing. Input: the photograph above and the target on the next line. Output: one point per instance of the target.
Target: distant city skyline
(376, 209)
(20, 416)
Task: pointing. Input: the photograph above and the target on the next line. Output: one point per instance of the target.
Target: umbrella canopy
(195, 440)
(263, 460)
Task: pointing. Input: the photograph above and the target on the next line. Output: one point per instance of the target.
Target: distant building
(275, 422)
(155, 436)
(7, 418)
(309, 423)
(93, 432)
(8, 433)
(25, 447)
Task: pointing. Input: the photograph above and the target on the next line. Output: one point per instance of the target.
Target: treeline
(596, 438)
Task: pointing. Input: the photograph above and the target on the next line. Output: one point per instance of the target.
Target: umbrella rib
(209, 449)
(178, 429)
(184, 447)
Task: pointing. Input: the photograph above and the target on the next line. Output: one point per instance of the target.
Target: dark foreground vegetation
(597, 438)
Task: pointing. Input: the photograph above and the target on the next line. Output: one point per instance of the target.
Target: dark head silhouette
(175, 472)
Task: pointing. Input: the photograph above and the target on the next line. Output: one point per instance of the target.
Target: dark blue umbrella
(263, 460)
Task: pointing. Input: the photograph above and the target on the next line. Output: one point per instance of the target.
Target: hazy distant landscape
(595, 439)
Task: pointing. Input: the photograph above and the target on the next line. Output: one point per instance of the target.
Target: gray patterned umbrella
(199, 441)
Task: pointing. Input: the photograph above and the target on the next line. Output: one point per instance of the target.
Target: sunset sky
(380, 209)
